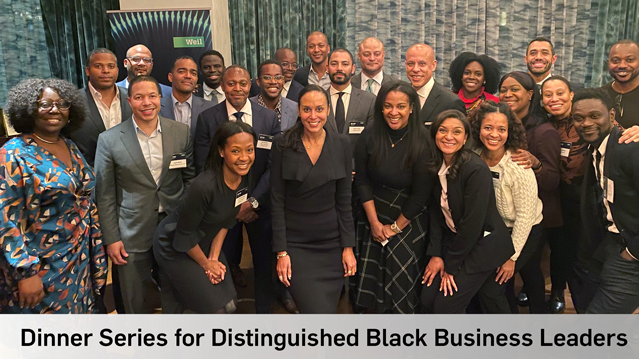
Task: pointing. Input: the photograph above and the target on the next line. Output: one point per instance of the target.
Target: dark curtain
(259, 27)
(73, 28)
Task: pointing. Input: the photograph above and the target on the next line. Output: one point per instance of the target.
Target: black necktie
(340, 114)
(238, 115)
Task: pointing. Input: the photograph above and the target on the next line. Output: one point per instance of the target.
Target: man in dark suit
(182, 106)
(106, 102)
(351, 108)
(139, 61)
(291, 89)
(434, 98)
(255, 213)
(271, 82)
(371, 57)
(317, 48)
(211, 68)
(143, 166)
(610, 203)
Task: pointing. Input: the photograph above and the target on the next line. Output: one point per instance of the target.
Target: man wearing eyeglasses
(139, 61)
(371, 57)
(433, 97)
(270, 79)
(291, 90)
(623, 66)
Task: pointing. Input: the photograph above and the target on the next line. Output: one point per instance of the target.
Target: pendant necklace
(394, 143)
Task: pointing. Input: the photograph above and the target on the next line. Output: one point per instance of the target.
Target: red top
(474, 102)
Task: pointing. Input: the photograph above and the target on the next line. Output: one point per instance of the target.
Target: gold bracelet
(630, 254)
(395, 228)
(281, 255)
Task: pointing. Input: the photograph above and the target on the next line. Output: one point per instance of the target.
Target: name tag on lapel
(565, 149)
(178, 160)
(241, 196)
(495, 174)
(264, 142)
(355, 127)
(609, 190)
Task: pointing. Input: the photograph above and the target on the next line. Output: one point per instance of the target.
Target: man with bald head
(139, 61)
(315, 73)
(255, 212)
(433, 97)
(371, 57)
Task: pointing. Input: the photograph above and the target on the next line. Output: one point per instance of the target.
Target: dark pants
(619, 290)
(490, 293)
(260, 234)
(529, 268)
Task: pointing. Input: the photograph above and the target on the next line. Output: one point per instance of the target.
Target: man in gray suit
(182, 106)
(351, 108)
(143, 167)
(270, 78)
(106, 102)
(371, 56)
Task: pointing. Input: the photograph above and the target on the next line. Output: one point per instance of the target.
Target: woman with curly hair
(497, 133)
(475, 78)
(52, 257)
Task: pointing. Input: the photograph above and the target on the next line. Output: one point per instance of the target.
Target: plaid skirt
(389, 277)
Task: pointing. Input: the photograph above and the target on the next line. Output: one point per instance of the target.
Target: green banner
(191, 41)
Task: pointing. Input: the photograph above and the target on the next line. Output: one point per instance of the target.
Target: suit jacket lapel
(612, 142)
(132, 144)
(430, 103)
(353, 105)
(124, 105)
(330, 124)
(93, 110)
(168, 145)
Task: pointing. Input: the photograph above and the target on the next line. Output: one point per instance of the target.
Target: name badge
(264, 142)
(495, 175)
(384, 243)
(178, 160)
(565, 149)
(355, 127)
(241, 196)
(609, 190)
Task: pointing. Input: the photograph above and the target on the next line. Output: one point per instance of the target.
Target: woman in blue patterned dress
(52, 257)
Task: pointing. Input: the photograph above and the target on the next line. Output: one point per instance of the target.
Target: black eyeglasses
(619, 101)
(61, 104)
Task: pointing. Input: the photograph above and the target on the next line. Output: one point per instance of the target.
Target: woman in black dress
(188, 243)
(311, 207)
(394, 183)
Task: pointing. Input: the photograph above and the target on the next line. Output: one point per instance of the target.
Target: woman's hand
(505, 272)
(448, 284)
(30, 291)
(525, 158)
(377, 230)
(349, 262)
(630, 135)
(284, 271)
(435, 266)
(388, 232)
(215, 271)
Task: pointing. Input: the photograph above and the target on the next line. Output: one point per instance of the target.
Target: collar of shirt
(287, 85)
(278, 107)
(157, 130)
(126, 82)
(207, 90)
(377, 78)
(98, 95)
(424, 92)
(602, 147)
(189, 101)
(248, 113)
(316, 74)
(347, 90)
(545, 78)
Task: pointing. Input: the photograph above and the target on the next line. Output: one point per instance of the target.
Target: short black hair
(516, 132)
(594, 94)
(210, 53)
(144, 78)
(542, 39)
(490, 66)
(341, 49)
(185, 57)
(22, 106)
(99, 50)
(268, 62)
(214, 161)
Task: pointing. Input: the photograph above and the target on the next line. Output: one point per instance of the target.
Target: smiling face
(557, 98)
(340, 68)
(515, 96)
(450, 138)
(50, 122)
(592, 120)
(288, 59)
(539, 58)
(238, 153)
(623, 62)
(473, 78)
(144, 100)
(211, 68)
(270, 86)
(371, 56)
(494, 131)
(236, 85)
(313, 111)
(137, 61)
(396, 110)
(420, 65)
(183, 77)
(317, 48)
(102, 71)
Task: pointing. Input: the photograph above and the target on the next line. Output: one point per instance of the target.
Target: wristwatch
(395, 228)
(254, 203)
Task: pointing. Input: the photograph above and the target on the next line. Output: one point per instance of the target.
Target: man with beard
(371, 56)
(315, 73)
(539, 58)
(270, 80)
(139, 61)
(211, 68)
(182, 106)
(255, 212)
(623, 66)
(351, 108)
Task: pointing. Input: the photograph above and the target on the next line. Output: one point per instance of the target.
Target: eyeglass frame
(53, 103)
(146, 60)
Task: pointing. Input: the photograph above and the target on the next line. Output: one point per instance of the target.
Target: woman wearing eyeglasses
(52, 257)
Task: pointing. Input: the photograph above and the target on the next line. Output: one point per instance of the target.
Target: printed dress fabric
(49, 227)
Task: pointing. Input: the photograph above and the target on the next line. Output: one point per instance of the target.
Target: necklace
(45, 141)
(309, 146)
(394, 143)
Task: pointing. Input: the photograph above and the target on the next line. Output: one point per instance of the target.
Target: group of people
(419, 198)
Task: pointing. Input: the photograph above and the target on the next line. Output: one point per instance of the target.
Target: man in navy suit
(139, 61)
(315, 73)
(255, 212)
(181, 105)
(270, 79)
(291, 89)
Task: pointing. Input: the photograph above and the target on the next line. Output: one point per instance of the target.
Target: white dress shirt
(377, 82)
(209, 93)
(111, 115)
(247, 117)
(287, 86)
(182, 110)
(151, 147)
(424, 92)
(346, 99)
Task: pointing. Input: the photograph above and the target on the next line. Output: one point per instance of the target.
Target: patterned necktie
(340, 113)
(238, 115)
(369, 87)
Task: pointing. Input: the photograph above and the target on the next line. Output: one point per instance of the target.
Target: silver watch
(254, 203)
